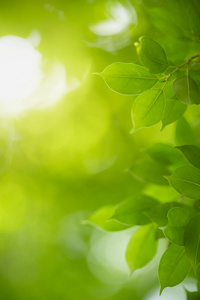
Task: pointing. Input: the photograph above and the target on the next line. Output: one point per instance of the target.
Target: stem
(182, 65)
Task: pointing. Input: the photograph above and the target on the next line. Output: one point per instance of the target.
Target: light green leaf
(100, 218)
(178, 219)
(131, 211)
(141, 247)
(192, 241)
(127, 78)
(148, 108)
(152, 55)
(186, 181)
(158, 214)
(186, 90)
(192, 153)
(174, 267)
(174, 109)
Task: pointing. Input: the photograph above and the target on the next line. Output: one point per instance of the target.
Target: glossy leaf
(158, 214)
(100, 218)
(148, 108)
(178, 219)
(131, 211)
(141, 247)
(152, 55)
(192, 241)
(174, 109)
(174, 267)
(187, 90)
(186, 180)
(127, 78)
(192, 153)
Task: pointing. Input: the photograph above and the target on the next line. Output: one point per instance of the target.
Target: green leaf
(193, 295)
(165, 154)
(186, 90)
(148, 108)
(186, 180)
(174, 267)
(178, 219)
(192, 241)
(158, 214)
(141, 247)
(127, 78)
(131, 211)
(152, 55)
(184, 134)
(174, 109)
(100, 218)
(192, 153)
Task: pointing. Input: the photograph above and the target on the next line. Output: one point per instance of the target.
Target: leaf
(158, 214)
(186, 180)
(131, 211)
(174, 267)
(141, 247)
(152, 55)
(100, 218)
(192, 153)
(174, 109)
(193, 295)
(184, 134)
(186, 90)
(192, 241)
(178, 219)
(148, 108)
(165, 154)
(127, 78)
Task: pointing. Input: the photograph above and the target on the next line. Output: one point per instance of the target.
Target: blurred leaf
(131, 211)
(192, 241)
(186, 180)
(152, 55)
(192, 153)
(187, 90)
(141, 247)
(148, 108)
(101, 217)
(174, 109)
(184, 134)
(193, 295)
(127, 78)
(178, 219)
(174, 267)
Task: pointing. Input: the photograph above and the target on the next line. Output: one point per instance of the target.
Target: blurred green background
(69, 150)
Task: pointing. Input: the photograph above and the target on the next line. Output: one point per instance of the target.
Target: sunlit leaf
(141, 247)
(127, 78)
(174, 109)
(187, 90)
(152, 55)
(192, 241)
(148, 108)
(131, 211)
(186, 181)
(184, 133)
(174, 267)
(178, 219)
(192, 153)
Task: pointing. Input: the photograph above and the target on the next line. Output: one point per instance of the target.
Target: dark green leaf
(148, 108)
(127, 78)
(152, 55)
(174, 267)
(141, 247)
(186, 180)
(192, 241)
(178, 219)
(192, 153)
(131, 211)
(186, 90)
(193, 295)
